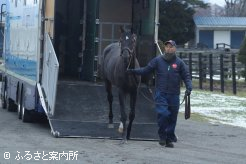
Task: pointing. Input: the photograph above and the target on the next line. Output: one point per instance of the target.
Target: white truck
(2, 20)
(52, 51)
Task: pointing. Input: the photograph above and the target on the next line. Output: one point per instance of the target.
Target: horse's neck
(133, 60)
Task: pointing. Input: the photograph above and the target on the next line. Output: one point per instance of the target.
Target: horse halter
(131, 54)
(126, 47)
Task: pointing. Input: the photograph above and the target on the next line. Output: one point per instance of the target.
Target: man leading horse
(170, 70)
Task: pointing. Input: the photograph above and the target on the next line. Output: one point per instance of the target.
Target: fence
(217, 66)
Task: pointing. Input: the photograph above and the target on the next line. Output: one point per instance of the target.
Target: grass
(199, 117)
(207, 106)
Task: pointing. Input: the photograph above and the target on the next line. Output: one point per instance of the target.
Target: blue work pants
(167, 108)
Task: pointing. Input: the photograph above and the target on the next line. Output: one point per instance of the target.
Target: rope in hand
(187, 106)
(186, 99)
(152, 101)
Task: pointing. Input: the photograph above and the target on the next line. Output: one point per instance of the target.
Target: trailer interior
(80, 30)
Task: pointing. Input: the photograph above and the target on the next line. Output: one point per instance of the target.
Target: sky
(218, 2)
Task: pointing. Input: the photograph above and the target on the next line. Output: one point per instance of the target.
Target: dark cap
(170, 42)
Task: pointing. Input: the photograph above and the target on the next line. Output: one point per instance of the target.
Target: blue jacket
(168, 74)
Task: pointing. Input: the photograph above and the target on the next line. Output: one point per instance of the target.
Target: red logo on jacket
(174, 66)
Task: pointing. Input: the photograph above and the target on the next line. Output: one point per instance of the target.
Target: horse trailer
(2, 20)
(52, 55)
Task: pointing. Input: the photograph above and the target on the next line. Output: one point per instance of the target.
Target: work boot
(162, 142)
(169, 144)
(174, 139)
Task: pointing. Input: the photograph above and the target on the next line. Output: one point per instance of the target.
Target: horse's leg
(133, 99)
(110, 101)
(123, 118)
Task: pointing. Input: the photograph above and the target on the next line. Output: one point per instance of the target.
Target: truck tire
(20, 104)
(26, 115)
(4, 99)
(19, 110)
(11, 106)
(4, 95)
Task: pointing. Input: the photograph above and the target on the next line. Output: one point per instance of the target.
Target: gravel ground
(198, 142)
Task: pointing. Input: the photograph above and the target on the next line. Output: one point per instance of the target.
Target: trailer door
(49, 74)
(145, 16)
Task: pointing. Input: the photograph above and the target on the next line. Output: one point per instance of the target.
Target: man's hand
(187, 92)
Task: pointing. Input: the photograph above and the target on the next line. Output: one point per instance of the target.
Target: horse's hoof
(120, 130)
(110, 126)
(122, 142)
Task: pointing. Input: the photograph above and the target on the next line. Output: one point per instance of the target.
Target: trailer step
(82, 110)
(65, 128)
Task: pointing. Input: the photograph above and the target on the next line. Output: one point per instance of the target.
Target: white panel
(24, 29)
(222, 37)
(50, 74)
(156, 20)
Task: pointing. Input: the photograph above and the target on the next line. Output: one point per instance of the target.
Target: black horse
(117, 58)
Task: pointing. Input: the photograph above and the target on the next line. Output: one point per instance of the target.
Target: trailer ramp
(81, 110)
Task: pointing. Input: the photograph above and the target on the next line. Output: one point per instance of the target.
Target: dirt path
(198, 142)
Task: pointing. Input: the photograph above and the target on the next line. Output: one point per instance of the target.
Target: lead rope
(135, 78)
(151, 100)
(187, 107)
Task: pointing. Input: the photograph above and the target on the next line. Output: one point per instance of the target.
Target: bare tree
(235, 8)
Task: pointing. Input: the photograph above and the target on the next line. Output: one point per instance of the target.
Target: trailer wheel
(4, 95)
(26, 115)
(20, 104)
(4, 99)
(19, 110)
(11, 106)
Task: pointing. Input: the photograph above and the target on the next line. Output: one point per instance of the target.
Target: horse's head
(128, 44)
